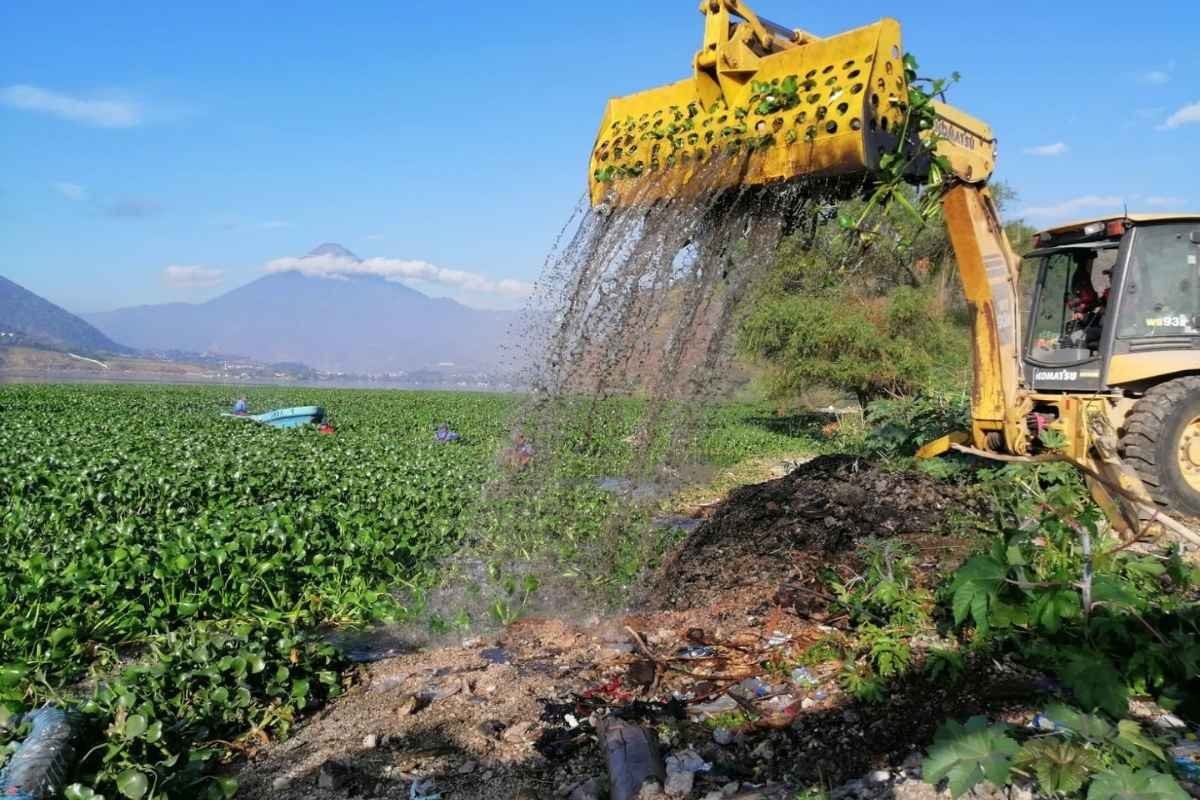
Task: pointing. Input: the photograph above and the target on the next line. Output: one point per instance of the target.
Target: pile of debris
(765, 534)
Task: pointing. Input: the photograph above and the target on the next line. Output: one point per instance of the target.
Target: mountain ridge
(352, 323)
(43, 323)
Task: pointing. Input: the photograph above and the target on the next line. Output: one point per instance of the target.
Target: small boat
(286, 417)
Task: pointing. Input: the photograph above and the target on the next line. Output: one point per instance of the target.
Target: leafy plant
(963, 755)
(1123, 783)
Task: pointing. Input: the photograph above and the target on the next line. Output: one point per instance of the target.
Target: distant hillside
(40, 322)
(353, 323)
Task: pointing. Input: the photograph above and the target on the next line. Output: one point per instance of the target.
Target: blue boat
(287, 417)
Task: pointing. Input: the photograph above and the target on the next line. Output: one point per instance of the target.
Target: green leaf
(1131, 739)
(1096, 683)
(133, 784)
(976, 586)
(77, 791)
(1061, 767)
(1122, 783)
(965, 755)
(135, 726)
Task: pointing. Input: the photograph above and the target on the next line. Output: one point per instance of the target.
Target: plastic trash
(423, 790)
(721, 705)
(39, 767)
(778, 638)
(753, 687)
(802, 677)
(1043, 723)
(696, 651)
(631, 754)
(687, 761)
(1186, 756)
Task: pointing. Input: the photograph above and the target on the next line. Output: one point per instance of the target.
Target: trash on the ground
(572, 721)
(496, 655)
(721, 705)
(801, 676)
(1186, 756)
(631, 753)
(1043, 723)
(40, 765)
(687, 761)
(779, 703)
(696, 651)
(778, 639)
(1169, 722)
(423, 790)
(752, 688)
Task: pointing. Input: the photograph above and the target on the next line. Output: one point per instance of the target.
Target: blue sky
(171, 151)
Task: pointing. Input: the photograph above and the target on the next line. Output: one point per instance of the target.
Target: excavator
(1087, 349)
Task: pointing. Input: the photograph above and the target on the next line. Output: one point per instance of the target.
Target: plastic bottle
(38, 769)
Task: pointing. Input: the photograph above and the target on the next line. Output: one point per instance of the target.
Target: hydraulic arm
(806, 106)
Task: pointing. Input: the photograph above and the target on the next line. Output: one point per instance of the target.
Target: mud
(765, 534)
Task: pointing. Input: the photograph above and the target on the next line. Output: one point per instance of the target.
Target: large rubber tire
(1153, 434)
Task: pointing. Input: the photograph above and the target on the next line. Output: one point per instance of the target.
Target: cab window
(1066, 291)
(1162, 290)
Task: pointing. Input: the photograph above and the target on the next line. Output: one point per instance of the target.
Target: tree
(873, 316)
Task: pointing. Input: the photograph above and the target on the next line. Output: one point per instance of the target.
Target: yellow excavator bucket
(798, 104)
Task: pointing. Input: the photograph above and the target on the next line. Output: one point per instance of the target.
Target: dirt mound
(764, 534)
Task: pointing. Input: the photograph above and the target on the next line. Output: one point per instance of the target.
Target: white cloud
(71, 191)
(1159, 201)
(1076, 206)
(98, 111)
(181, 277)
(1049, 150)
(399, 270)
(1188, 115)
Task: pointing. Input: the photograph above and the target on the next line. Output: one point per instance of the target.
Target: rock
(591, 789)
(1017, 792)
(679, 784)
(370, 741)
(714, 795)
(650, 789)
(723, 737)
(467, 768)
(517, 732)
(988, 791)
(333, 776)
(764, 752)
(282, 782)
(731, 788)
(917, 790)
(879, 776)
(492, 728)
(849, 717)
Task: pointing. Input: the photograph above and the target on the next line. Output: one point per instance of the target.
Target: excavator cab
(1064, 294)
(1126, 287)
